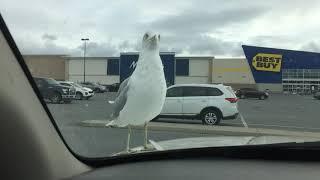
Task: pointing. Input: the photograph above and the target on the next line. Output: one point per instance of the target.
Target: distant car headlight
(65, 91)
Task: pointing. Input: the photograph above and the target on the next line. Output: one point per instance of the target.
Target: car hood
(86, 89)
(220, 141)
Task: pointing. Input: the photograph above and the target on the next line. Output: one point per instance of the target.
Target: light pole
(84, 58)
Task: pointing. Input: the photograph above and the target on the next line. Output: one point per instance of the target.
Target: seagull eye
(146, 36)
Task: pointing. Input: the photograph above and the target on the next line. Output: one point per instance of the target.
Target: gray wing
(121, 99)
(122, 85)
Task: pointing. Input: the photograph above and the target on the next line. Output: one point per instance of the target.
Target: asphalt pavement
(287, 112)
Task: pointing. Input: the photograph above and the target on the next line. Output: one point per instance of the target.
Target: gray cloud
(47, 48)
(100, 49)
(204, 20)
(194, 27)
(201, 44)
(311, 46)
(49, 37)
(187, 32)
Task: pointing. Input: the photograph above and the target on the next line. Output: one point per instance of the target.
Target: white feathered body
(147, 92)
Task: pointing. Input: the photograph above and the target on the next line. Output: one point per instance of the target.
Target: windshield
(240, 72)
(77, 85)
(52, 81)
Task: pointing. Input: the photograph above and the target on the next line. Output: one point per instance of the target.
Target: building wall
(199, 70)
(129, 60)
(232, 71)
(191, 80)
(96, 70)
(50, 66)
(95, 78)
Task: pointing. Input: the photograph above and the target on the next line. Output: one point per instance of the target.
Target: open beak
(153, 38)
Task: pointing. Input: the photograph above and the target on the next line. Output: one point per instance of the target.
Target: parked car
(81, 92)
(251, 93)
(50, 89)
(94, 86)
(208, 102)
(317, 95)
(112, 87)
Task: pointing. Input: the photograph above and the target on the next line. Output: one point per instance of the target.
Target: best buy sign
(267, 62)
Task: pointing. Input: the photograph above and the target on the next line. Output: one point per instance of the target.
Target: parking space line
(243, 121)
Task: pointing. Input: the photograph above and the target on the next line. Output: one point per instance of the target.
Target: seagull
(140, 97)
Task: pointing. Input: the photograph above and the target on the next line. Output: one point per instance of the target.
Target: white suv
(208, 102)
(81, 92)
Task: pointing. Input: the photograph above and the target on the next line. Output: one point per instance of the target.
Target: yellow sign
(267, 62)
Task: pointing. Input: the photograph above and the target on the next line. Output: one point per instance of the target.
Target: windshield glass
(52, 81)
(77, 85)
(240, 72)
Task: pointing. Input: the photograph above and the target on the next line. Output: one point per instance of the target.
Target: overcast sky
(195, 27)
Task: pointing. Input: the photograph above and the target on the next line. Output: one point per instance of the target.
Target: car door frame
(249, 92)
(44, 89)
(202, 102)
(179, 101)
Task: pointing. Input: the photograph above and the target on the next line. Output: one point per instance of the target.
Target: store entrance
(301, 81)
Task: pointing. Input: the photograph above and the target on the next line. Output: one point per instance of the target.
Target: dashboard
(208, 168)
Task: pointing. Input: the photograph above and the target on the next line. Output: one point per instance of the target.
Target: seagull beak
(153, 37)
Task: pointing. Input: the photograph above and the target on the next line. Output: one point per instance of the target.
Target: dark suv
(51, 90)
(112, 87)
(251, 93)
(94, 86)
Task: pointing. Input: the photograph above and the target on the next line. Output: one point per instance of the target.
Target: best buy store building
(263, 68)
(284, 70)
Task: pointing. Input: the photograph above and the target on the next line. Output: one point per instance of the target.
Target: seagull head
(150, 41)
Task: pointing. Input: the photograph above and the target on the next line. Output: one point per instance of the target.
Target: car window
(214, 92)
(77, 85)
(65, 84)
(248, 89)
(39, 82)
(51, 81)
(174, 92)
(194, 91)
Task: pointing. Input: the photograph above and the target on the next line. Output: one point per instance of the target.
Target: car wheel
(79, 95)
(97, 90)
(55, 97)
(211, 117)
(262, 97)
(242, 96)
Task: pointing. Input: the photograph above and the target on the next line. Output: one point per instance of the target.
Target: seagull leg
(128, 140)
(145, 136)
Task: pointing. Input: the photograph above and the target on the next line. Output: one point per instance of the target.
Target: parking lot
(288, 112)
